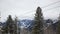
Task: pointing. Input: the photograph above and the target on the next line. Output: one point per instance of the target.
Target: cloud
(19, 7)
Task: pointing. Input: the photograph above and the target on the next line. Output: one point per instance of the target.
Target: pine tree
(37, 29)
(58, 26)
(9, 26)
(15, 28)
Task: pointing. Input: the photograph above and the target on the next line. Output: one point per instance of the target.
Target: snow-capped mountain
(26, 23)
(2, 24)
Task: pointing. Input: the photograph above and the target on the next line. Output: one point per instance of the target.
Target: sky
(26, 8)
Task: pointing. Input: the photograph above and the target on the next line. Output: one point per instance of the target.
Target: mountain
(2, 24)
(27, 23)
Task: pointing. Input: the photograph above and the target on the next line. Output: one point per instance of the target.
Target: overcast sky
(26, 8)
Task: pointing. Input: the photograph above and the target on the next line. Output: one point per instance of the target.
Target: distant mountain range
(2, 24)
(27, 23)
